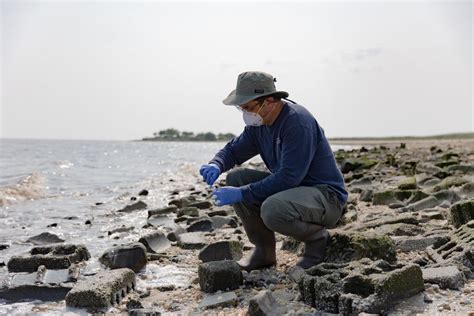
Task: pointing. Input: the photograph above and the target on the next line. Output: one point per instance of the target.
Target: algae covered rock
(451, 181)
(461, 213)
(359, 286)
(408, 184)
(352, 164)
(346, 247)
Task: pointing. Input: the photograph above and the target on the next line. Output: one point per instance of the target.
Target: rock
(359, 287)
(226, 299)
(447, 195)
(416, 243)
(122, 229)
(221, 250)
(132, 256)
(45, 238)
(348, 217)
(461, 213)
(457, 248)
(173, 236)
(399, 229)
(201, 204)
(445, 164)
(101, 291)
(467, 190)
(193, 240)
(366, 195)
(143, 192)
(188, 211)
(4, 246)
(451, 181)
(203, 225)
(52, 257)
(182, 202)
(446, 277)
(163, 210)
(353, 164)
(265, 304)
(161, 221)
(390, 196)
(405, 218)
(222, 213)
(144, 312)
(354, 246)
(463, 168)
(408, 184)
(220, 221)
(45, 285)
(155, 242)
(134, 207)
(219, 275)
(428, 202)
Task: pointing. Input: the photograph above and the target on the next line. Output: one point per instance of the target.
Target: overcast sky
(123, 70)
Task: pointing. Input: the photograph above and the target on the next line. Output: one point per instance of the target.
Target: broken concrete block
(214, 300)
(219, 275)
(102, 290)
(203, 225)
(193, 240)
(52, 257)
(44, 284)
(407, 244)
(163, 210)
(132, 256)
(188, 211)
(446, 277)
(134, 207)
(458, 248)
(361, 286)
(265, 304)
(221, 250)
(155, 242)
(201, 204)
(461, 213)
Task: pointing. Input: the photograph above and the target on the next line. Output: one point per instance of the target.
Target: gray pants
(281, 211)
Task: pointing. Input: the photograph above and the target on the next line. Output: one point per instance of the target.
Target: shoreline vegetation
(172, 134)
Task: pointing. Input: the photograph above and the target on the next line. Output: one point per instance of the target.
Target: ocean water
(57, 185)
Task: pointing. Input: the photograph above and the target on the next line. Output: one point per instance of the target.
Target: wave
(28, 188)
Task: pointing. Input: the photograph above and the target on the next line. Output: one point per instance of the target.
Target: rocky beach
(403, 246)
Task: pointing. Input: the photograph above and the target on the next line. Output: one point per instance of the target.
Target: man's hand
(210, 173)
(227, 196)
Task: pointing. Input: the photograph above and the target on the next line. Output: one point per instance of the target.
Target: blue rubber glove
(227, 196)
(210, 173)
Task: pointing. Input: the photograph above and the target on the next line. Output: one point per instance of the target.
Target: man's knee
(234, 178)
(271, 212)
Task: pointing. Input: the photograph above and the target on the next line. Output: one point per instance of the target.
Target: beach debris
(219, 275)
(132, 256)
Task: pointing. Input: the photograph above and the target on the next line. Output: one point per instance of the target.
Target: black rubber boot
(264, 240)
(316, 239)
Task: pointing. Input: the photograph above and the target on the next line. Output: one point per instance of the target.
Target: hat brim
(234, 99)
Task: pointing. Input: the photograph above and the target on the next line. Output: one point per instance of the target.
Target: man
(304, 191)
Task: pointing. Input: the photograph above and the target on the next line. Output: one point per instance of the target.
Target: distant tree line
(172, 134)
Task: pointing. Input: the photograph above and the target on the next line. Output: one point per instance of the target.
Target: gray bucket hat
(252, 85)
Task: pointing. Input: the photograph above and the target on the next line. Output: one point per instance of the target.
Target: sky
(111, 70)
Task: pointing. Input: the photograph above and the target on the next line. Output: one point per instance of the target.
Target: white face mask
(252, 119)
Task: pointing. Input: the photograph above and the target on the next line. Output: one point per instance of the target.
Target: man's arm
(236, 151)
(298, 149)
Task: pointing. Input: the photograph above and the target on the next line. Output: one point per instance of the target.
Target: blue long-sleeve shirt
(294, 149)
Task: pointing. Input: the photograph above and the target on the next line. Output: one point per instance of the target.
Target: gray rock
(226, 299)
(101, 291)
(221, 250)
(264, 304)
(134, 207)
(407, 244)
(428, 202)
(446, 277)
(132, 256)
(173, 236)
(162, 221)
(193, 240)
(366, 195)
(45, 238)
(201, 204)
(163, 210)
(155, 242)
(52, 257)
(220, 221)
(219, 275)
(188, 211)
(182, 202)
(399, 229)
(203, 225)
(4, 246)
(144, 312)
